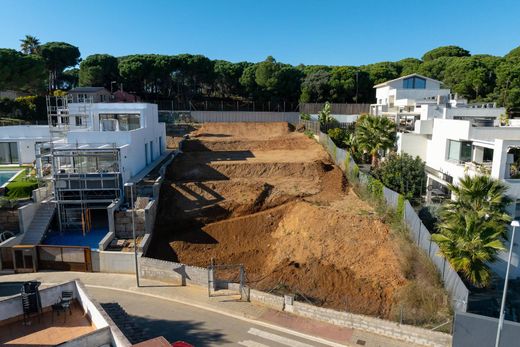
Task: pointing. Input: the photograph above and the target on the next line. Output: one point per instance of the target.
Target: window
(459, 151)
(8, 153)
(414, 83)
(488, 155)
(146, 152)
(119, 122)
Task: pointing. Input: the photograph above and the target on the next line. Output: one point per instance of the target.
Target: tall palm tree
(473, 226)
(29, 45)
(469, 244)
(374, 134)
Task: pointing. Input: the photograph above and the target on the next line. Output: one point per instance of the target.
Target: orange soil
(263, 196)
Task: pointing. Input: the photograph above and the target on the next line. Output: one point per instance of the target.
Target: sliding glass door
(8, 153)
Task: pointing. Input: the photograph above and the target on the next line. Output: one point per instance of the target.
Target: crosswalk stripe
(249, 343)
(277, 338)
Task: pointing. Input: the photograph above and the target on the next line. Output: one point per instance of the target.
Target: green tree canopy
(404, 174)
(473, 77)
(21, 72)
(445, 51)
(57, 57)
(98, 70)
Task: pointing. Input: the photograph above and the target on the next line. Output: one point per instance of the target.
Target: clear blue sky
(296, 31)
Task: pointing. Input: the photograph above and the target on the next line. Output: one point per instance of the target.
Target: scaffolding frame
(80, 177)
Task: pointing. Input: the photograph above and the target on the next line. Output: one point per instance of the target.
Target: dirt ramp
(243, 130)
(293, 141)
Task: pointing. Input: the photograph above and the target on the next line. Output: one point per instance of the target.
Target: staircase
(40, 223)
(129, 325)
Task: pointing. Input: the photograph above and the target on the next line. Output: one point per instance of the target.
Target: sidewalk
(229, 305)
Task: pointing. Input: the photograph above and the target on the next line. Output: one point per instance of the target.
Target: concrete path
(186, 313)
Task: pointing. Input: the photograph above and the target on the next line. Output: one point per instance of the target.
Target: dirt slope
(269, 198)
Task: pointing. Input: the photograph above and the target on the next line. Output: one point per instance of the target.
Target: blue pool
(75, 238)
(6, 176)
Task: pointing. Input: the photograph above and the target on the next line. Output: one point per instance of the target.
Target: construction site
(268, 197)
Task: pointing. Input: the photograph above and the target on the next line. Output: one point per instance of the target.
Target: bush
(305, 116)
(337, 135)
(403, 174)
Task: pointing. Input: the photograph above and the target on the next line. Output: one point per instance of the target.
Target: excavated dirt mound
(263, 196)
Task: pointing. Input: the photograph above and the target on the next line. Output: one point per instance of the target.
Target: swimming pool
(5, 176)
(76, 238)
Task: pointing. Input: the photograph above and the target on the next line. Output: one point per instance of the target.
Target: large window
(8, 153)
(119, 122)
(414, 83)
(459, 151)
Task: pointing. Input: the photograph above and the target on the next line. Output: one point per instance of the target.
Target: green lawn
(21, 186)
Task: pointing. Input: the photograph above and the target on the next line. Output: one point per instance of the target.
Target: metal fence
(313, 108)
(233, 116)
(420, 234)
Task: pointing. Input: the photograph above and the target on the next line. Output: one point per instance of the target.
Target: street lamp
(131, 186)
(514, 224)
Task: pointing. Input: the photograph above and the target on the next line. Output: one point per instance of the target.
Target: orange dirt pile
(260, 195)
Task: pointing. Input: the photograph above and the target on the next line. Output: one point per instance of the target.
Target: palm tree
(470, 243)
(374, 134)
(30, 45)
(473, 226)
(480, 194)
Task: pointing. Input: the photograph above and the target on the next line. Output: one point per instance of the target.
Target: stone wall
(9, 220)
(123, 223)
(172, 272)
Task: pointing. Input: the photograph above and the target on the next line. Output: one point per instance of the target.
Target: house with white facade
(454, 138)
(86, 153)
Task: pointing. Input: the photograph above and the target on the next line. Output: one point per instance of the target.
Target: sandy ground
(261, 195)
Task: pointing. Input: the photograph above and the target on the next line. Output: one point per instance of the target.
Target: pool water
(76, 238)
(6, 176)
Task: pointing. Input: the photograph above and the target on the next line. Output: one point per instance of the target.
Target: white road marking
(250, 343)
(277, 338)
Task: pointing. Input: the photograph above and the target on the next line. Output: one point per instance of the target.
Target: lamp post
(514, 224)
(131, 185)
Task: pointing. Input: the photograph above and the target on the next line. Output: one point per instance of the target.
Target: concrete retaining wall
(26, 215)
(115, 262)
(172, 272)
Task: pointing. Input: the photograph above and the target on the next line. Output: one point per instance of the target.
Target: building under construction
(94, 149)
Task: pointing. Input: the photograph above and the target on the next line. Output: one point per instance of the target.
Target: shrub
(337, 135)
(305, 116)
(404, 174)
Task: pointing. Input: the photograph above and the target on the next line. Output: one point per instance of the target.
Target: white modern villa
(87, 152)
(454, 138)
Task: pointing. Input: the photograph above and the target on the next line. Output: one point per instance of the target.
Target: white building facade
(454, 139)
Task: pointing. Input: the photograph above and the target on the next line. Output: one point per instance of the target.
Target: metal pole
(133, 232)
(504, 294)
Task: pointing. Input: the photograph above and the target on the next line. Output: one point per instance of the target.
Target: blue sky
(293, 31)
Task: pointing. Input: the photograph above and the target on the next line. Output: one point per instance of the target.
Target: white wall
(26, 137)
(412, 144)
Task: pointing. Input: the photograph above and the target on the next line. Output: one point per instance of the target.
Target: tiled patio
(46, 332)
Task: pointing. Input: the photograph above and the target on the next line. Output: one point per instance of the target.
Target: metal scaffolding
(85, 176)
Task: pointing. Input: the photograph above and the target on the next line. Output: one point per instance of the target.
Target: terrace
(86, 324)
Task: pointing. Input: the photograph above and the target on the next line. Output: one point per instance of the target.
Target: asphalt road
(142, 317)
